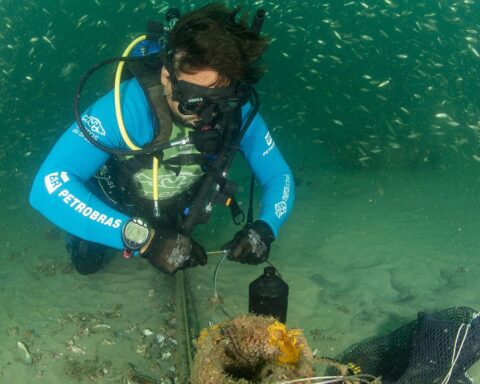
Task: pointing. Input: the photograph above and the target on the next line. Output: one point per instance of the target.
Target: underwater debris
(251, 348)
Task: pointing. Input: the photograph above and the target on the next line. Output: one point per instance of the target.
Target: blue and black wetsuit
(61, 189)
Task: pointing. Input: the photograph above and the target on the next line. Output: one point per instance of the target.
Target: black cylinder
(257, 22)
(268, 295)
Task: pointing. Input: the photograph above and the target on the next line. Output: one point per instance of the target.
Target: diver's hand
(170, 251)
(251, 245)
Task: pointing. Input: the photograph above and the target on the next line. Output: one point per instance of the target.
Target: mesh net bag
(435, 348)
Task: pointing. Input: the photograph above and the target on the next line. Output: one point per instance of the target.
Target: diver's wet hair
(211, 37)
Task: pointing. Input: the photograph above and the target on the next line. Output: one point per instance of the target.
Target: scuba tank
(268, 295)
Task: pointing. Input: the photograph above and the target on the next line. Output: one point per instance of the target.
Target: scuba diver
(146, 163)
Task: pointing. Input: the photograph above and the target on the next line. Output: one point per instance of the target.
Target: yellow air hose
(118, 112)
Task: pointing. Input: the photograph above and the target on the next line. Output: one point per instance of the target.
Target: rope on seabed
(180, 279)
(363, 378)
(456, 353)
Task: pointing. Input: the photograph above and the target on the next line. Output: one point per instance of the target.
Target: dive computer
(135, 234)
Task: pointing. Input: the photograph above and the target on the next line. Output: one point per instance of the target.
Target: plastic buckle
(127, 253)
(221, 199)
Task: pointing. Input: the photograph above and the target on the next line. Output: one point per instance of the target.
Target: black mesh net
(435, 348)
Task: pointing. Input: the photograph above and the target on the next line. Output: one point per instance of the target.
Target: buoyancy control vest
(181, 169)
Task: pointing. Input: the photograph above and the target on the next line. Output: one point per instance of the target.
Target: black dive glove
(251, 245)
(170, 251)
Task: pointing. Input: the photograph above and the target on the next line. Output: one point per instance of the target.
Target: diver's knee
(87, 268)
(87, 257)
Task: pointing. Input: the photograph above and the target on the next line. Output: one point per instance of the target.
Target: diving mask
(208, 103)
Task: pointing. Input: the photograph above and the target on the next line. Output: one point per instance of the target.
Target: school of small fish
(377, 83)
(371, 82)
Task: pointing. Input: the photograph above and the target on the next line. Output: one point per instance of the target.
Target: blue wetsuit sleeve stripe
(272, 172)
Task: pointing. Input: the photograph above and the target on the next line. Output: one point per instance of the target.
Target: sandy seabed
(103, 328)
(363, 253)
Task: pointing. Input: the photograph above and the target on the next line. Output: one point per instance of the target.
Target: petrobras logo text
(83, 209)
(55, 180)
(270, 144)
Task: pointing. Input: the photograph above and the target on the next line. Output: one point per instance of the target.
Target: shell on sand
(25, 355)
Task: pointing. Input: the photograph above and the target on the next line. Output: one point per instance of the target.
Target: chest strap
(175, 163)
(136, 163)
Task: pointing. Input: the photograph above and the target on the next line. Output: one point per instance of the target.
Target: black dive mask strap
(167, 59)
(208, 116)
(195, 99)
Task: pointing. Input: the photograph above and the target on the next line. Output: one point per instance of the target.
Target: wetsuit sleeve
(60, 190)
(272, 172)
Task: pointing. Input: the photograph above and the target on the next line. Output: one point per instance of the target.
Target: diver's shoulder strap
(151, 85)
